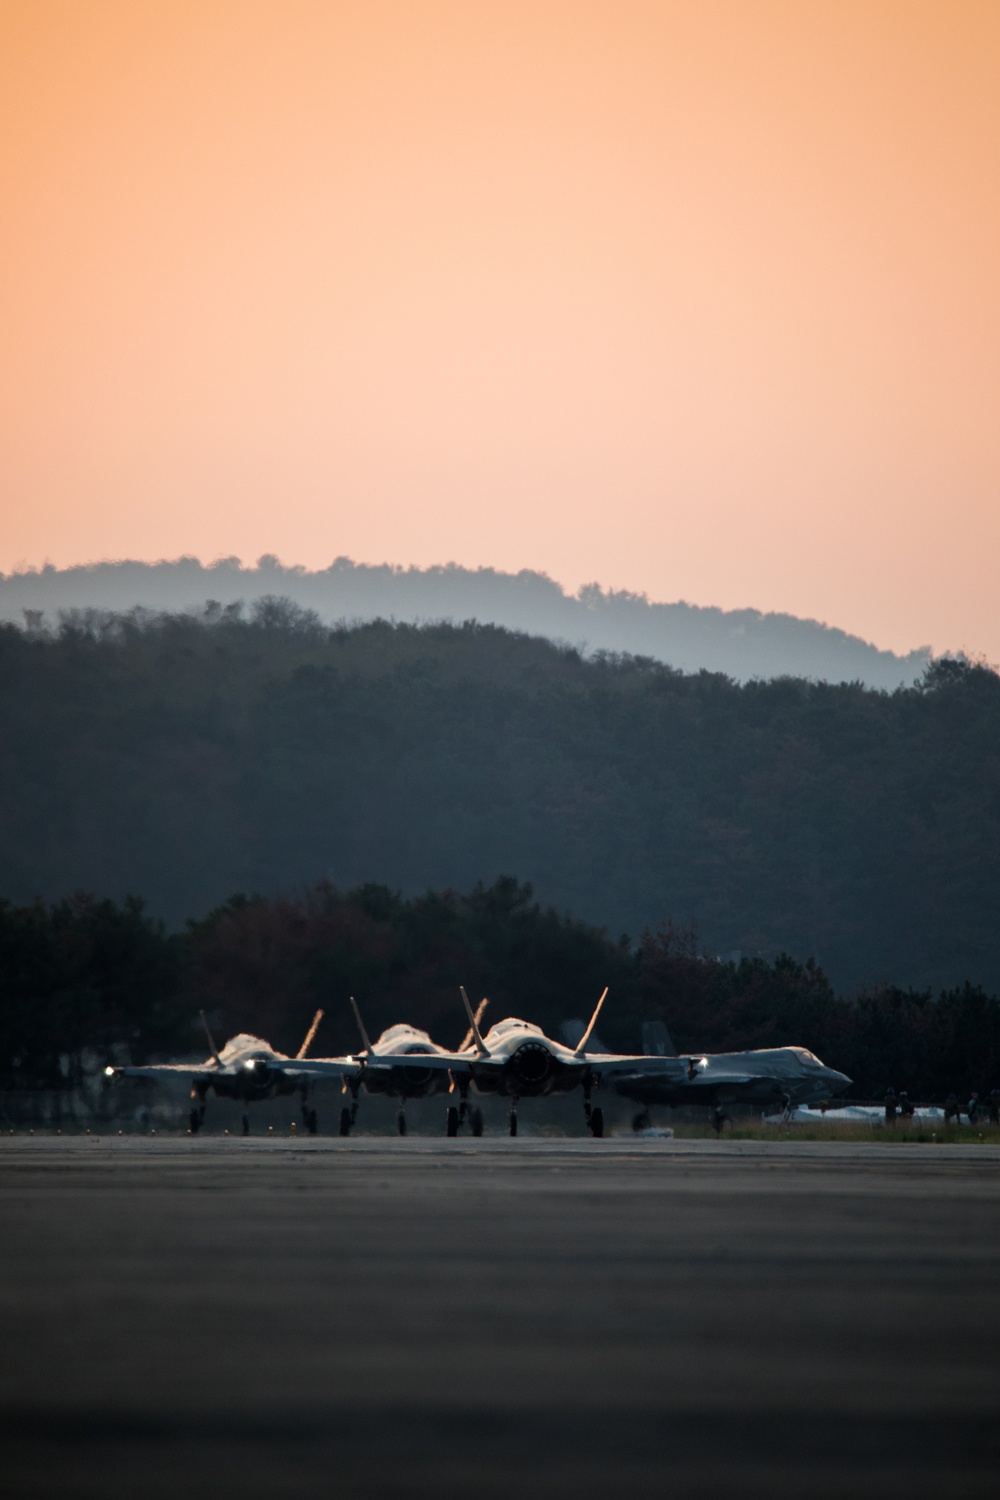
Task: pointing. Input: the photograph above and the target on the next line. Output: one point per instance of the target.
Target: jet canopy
(511, 1026)
(403, 1038)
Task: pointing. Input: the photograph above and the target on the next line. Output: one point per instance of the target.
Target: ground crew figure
(905, 1107)
(972, 1109)
(951, 1108)
(891, 1107)
(994, 1106)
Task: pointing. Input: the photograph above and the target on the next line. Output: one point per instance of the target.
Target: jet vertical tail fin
(367, 1046)
(480, 1012)
(481, 1046)
(309, 1036)
(656, 1040)
(211, 1044)
(581, 1046)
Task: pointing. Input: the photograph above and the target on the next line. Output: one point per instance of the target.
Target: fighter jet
(518, 1061)
(246, 1068)
(786, 1077)
(397, 1066)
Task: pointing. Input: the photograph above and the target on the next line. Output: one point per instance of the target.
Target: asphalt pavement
(377, 1317)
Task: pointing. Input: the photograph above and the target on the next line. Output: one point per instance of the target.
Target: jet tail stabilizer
(309, 1036)
(481, 1046)
(480, 1012)
(581, 1046)
(211, 1044)
(656, 1040)
(361, 1026)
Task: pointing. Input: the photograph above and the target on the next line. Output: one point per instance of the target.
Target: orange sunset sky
(701, 299)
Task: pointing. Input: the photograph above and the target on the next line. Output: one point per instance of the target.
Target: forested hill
(187, 760)
(743, 643)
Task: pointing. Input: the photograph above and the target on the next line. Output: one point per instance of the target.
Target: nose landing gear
(456, 1118)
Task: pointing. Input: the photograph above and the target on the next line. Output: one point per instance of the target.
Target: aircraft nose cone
(838, 1081)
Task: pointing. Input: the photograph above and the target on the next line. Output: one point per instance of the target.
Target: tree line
(188, 758)
(91, 977)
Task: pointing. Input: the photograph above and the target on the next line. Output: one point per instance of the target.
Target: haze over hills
(744, 643)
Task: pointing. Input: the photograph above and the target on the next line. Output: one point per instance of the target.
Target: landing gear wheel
(194, 1121)
(401, 1123)
(246, 1124)
(451, 1126)
(312, 1124)
(345, 1121)
(513, 1122)
(597, 1123)
(476, 1122)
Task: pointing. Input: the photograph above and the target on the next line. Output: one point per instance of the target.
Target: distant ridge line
(742, 643)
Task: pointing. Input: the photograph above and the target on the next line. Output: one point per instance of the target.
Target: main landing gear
(309, 1119)
(593, 1114)
(196, 1118)
(349, 1114)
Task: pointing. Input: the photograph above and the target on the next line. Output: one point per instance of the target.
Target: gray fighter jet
(783, 1077)
(246, 1068)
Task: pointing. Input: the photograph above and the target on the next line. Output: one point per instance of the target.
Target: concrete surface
(500, 1318)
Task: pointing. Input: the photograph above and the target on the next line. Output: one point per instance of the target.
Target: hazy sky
(696, 298)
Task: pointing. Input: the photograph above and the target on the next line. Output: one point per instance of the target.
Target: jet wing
(614, 1065)
(320, 1067)
(168, 1070)
(293, 1068)
(449, 1062)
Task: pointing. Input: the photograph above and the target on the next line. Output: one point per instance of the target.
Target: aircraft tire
(597, 1123)
(345, 1121)
(246, 1124)
(194, 1121)
(513, 1122)
(451, 1125)
(476, 1122)
(312, 1123)
(401, 1123)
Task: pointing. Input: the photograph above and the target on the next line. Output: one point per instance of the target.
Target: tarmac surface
(378, 1317)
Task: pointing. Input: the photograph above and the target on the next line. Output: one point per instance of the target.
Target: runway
(541, 1317)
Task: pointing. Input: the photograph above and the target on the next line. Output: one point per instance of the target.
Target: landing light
(109, 1072)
